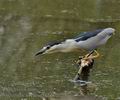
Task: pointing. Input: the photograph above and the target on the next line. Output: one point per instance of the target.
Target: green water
(27, 25)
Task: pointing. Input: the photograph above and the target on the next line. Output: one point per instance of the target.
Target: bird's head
(49, 48)
(109, 31)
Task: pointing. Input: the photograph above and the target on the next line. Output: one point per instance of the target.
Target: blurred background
(27, 25)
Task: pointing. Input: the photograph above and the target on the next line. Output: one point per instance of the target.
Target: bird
(88, 41)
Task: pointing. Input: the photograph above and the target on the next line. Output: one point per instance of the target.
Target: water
(27, 25)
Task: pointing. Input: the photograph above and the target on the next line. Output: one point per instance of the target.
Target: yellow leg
(97, 55)
(91, 56)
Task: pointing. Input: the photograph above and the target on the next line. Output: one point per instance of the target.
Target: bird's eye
(48, 47)
(110, 33)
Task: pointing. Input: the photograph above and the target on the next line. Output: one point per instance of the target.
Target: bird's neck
(67, 46)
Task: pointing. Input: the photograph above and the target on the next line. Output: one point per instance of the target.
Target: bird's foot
(88, 56)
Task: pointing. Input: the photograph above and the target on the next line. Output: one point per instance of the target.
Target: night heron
(89, 41)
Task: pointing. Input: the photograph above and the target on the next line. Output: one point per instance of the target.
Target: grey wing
(86, 35)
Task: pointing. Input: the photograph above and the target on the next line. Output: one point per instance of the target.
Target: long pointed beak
(40, 52)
